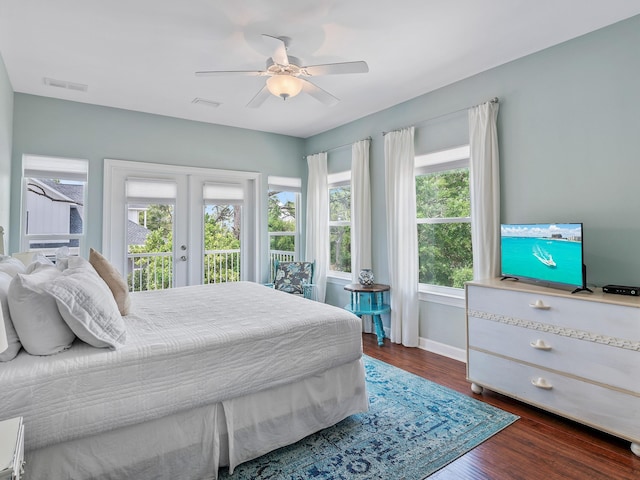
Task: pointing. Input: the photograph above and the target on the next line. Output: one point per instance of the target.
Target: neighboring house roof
(136, 234)
(72, 191)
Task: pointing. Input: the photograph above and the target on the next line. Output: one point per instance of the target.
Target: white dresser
(577, 355)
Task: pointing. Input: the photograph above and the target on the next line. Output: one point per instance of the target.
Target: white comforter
(186, 347)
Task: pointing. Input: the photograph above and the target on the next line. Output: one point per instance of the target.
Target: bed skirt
(193, 444)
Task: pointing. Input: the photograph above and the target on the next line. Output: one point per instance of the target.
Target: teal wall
(6, 134)
(569, 133)
(47, 126)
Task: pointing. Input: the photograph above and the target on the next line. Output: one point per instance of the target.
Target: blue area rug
(413, 428)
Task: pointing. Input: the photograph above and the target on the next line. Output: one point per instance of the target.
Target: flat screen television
(549, 253)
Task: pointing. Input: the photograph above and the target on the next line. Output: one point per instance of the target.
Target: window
(443, 206)
(284, 228)
(340, 223)
(54, 204)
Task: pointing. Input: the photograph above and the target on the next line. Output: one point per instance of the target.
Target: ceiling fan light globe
(284, 86)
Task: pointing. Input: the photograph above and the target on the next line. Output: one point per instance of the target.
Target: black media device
(622, 290)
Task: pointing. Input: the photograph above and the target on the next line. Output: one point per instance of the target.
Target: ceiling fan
(286, 74)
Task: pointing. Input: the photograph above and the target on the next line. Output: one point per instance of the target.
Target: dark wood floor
(539, 445)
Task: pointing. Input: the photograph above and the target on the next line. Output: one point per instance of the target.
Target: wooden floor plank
(538, 446)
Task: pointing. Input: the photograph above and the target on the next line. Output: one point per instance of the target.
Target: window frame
(441, 161)
(335, 180)
(45, 167)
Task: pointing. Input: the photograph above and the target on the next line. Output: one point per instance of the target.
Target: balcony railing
(221, 266)
(149, 271)
(154, 271)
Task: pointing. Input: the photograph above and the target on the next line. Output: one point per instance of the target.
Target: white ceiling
(142, 54)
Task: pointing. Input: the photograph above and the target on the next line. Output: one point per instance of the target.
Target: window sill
(453, 297)
(339, 279)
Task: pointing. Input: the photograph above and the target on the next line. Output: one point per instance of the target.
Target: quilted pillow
(290, 276)
(12, 337)
(113, 279)
(87, 305)
(11, 266)
(40, 327)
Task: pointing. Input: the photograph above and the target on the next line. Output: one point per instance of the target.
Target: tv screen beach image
(545, 252)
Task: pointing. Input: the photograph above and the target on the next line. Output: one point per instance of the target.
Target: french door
(168, 226)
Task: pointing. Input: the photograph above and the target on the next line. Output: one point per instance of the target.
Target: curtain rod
(338, 147)
(422, 122)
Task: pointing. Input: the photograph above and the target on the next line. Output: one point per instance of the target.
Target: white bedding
(186, 348)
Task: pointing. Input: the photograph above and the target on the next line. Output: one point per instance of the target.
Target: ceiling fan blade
(336, 68)
(212, 73)
(279, 46)
(319, 94)
(260, 97)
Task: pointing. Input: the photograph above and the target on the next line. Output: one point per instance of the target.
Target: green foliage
(444, 249)
(340, 232)
(282, 218)
(222, 232)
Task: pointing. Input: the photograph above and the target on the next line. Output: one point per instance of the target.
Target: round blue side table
(369, 300)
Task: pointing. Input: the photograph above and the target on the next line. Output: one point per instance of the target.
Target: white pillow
(35, 315)
(11, 266)
(87, 305)
(12, 337)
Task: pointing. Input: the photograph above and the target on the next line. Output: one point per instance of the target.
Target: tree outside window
(340, 228)
(444, 226)
(282, 221)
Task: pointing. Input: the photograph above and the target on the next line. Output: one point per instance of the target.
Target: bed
(209, 376)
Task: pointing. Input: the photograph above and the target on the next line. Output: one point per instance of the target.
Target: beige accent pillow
(113, 279)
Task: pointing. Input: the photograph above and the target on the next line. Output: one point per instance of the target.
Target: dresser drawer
(574, 312)
(598, 362)
(606, 409)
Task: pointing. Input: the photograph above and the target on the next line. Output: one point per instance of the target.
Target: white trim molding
(459, 354)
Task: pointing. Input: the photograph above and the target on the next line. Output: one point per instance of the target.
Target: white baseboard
(459, 354)
(443, 349)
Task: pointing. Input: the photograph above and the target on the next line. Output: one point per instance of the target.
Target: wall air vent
(209, 103)
(78, 87)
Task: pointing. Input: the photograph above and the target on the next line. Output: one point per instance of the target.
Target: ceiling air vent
(78, 87)
(209, 103)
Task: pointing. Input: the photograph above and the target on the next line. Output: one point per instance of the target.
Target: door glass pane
(222, 243)
(150, 247)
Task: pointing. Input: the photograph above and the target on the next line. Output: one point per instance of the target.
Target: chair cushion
(290, 276)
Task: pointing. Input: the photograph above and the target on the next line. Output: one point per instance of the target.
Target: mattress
(186, 347)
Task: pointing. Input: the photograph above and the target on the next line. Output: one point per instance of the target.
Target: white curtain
(402, 235)
(360, 208)
(360, 214)
(484, 176)
(317, 237)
